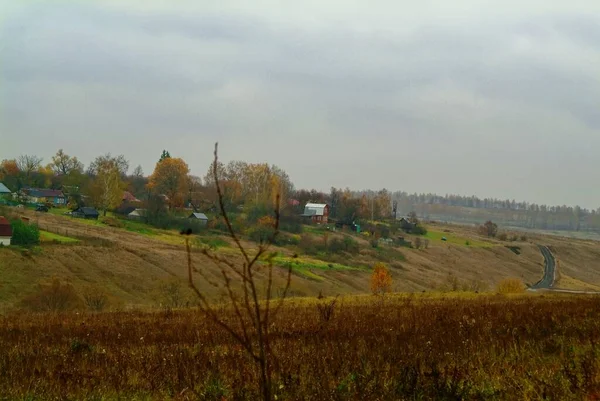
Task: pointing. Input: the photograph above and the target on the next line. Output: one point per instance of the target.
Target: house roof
(5, 228)
(138, 212)
(44, 193)
(4, 189)
(314, 209)
(125, 210)
(200, 216)
(87, 211)
(128, 197)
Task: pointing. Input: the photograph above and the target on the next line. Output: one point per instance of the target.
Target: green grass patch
(46, 236)
(454, 239)
(139, 227)
(309, 263)
(213, 242)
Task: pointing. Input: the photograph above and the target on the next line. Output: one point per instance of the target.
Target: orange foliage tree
(170, 178)
(381, 280)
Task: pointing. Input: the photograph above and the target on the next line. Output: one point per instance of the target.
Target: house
(129, 198)
(41, 195)
(125, 209)
(86, 213)
(5, 231)
(199, 216)
(406, 225)
(137, 214)
(316, 212)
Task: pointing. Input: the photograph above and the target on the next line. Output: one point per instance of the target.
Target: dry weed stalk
(254, 314)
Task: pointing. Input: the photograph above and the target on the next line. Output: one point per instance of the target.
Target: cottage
(137, 214)
(5, 231)
(86, 213)
(316, 212)
(200, 217)
(41, 195)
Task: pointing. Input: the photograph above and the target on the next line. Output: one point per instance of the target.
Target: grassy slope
(131, 263)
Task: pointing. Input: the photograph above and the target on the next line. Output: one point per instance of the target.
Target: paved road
(547, 282)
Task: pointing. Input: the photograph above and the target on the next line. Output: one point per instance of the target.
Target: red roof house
(5, 231)
(128, 197)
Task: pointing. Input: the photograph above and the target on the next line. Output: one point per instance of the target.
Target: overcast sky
(493, 98)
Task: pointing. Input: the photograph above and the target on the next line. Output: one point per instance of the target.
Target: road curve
(547, 282)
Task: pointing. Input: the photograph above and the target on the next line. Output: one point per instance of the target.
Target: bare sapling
(254, 310)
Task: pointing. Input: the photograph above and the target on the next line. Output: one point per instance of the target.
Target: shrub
(503, 237)
(259, 211)
(511, 286)
(25, 234)
(348, 244)
(523, 238)
(308, 245)
(261, 233)
(374, 243)
(489, 229)
(212, 243)
(291, 224)
(419, 230)
(95, 300)
(172, 295)
(53, 297)
(326, 308)
(111, 221)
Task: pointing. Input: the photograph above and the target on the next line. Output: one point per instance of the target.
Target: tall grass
(486, 347)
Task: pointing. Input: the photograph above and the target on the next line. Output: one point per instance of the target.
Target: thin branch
(222, 206)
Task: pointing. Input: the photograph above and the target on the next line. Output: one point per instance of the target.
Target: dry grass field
(132, 265)
(416, 347)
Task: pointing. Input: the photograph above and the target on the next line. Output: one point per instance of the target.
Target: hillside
(132, 264)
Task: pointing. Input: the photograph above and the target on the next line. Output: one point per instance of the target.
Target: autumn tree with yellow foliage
(106, 188)
(381, 280)
(170, 178)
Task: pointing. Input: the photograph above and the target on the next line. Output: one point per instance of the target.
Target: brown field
(131, 268)
(405, 348)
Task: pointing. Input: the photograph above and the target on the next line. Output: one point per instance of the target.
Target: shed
(406, 225)
(4, 190)
(199, 216)
(86, 213)
(137, 214)
(5, 231)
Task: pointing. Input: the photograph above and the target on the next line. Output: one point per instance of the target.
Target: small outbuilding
(5, 231)
(199, 216)
(86, 213)
(137, 214)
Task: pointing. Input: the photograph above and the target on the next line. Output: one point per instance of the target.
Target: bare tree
(63, 164)
(254, 314)
(119, 161)
(28, 164)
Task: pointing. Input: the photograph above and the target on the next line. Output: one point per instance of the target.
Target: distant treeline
(471, 209)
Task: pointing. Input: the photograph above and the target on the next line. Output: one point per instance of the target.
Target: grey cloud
(423, 109)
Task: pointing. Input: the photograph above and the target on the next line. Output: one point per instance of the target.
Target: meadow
(402, 347)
